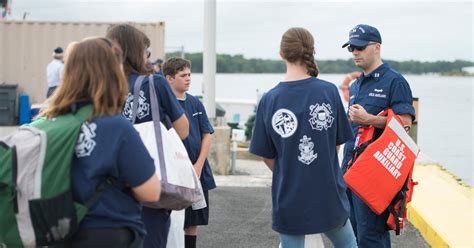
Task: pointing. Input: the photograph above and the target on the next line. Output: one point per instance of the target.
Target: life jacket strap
(400, 197)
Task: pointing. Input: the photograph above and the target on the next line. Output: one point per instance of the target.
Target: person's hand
(359, 115)
(198, 168)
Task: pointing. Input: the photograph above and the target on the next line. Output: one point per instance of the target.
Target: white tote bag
(176, 233)
(180, 186)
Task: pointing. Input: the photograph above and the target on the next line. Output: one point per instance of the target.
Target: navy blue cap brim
(356, 42)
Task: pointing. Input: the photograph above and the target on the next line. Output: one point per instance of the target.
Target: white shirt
(54, 72)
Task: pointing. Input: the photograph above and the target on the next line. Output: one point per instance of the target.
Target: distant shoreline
(239, 64)
(322, 72)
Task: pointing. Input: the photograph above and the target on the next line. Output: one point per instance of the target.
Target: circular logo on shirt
(321, 116)
(284, 122)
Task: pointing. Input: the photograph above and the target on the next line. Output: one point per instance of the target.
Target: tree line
(239, 64)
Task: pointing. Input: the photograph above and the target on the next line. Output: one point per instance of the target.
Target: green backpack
(36, 203)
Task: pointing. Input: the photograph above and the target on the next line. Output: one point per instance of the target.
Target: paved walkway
(240, 213)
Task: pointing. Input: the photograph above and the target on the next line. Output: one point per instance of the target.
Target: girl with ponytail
(298, 127)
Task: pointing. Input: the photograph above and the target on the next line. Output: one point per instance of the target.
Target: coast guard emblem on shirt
(143, 107)
(307, 155)
(85, 143)
(284, 122)
(321, 116)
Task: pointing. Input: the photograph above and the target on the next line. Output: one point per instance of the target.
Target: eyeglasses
(351, 48)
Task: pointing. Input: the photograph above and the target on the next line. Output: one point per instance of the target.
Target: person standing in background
(157, 66)
(135, 45)
(178, 74)
(54, 71)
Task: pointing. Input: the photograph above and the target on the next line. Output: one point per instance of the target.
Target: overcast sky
(418, 30)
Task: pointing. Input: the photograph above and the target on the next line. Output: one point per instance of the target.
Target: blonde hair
(93, 73)
(69, 48)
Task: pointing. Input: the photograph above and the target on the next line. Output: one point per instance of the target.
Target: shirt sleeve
(167, 99)
(135, 164)
(61, 72)
(261, 143)
(204, 124)
(344, 131)
(401, 100)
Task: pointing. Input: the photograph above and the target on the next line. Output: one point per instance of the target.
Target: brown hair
(297, 46)
(92, 72)
(133, 43)
(174, 65)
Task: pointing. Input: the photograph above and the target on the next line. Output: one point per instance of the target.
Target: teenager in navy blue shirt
(108, 147)
(178, 74)
(134, 43)
(298, 127)
(379, 87)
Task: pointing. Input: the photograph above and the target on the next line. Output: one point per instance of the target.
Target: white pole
(209, 58)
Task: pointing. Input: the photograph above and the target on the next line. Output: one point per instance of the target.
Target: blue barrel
(24, 115)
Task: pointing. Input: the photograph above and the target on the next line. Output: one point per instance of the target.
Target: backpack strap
(105, 185)
(83, 113)
(3, 186)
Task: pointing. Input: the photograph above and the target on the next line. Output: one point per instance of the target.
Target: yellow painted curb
(442, 208)
(425, 229)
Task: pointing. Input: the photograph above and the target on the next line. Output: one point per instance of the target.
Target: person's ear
(169, 78)
(281, 55)
(378, 47)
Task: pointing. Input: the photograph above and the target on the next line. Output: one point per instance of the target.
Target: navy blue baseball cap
(158, 61)
(362, 34)
(58, 50)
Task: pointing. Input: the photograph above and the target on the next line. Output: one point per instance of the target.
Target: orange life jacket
(381, 169)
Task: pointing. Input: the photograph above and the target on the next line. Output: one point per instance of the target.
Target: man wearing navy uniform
(378, 88)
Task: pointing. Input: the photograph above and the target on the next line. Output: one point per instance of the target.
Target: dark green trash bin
(7, 104)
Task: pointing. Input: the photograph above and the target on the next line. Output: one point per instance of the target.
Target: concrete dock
(240, 213)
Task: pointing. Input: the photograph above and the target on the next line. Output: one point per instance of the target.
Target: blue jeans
(341, 237)
(369, 227)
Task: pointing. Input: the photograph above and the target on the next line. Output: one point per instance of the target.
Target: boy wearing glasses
(378, 88)
(178, 74)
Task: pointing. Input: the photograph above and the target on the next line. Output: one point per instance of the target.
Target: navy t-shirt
(109, 146)
(198, 125)
(382, 89)
(166, 100)
(299, 124)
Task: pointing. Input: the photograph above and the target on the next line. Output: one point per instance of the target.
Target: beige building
(26, 48)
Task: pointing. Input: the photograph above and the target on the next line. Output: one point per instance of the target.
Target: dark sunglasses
(351, 48)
